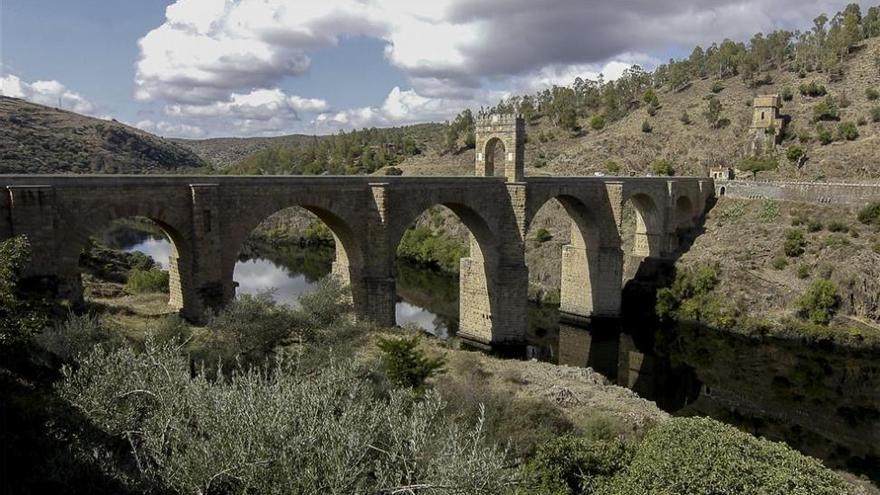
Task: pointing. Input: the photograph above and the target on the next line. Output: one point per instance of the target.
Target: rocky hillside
(222, 153)
(35, 139)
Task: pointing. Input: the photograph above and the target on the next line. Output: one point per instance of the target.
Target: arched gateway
(208, 218)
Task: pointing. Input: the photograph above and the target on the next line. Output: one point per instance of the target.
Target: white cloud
(225, 59)
(171, 129)
(50, 93)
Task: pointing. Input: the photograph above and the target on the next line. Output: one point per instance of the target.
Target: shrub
(803, 271)
(787, 94)
(795, 243)
(825, 110)
(691, 297)
(820, 302)
(422, 246)
(76, 336)
(652, 110)
(755, 164)
(569, 465)
(406, 365)
(283, 430)
(824, 134)
(848, 131)
(685, 118)
(597, 122)
(317, 232)
(612, 167)
(872, 94)
(147, 281)
(814, 225)
(19, 316)
(837, 226)
(870, 214)
(794, 154)
(646, 126)
(717, 87)
(780, 262)
(650, 98)
(769, 211)
(393, 171)
(543, 235)
(862, 121)
(875, 114)
(701, 456)
(663, 167)
(812, 89)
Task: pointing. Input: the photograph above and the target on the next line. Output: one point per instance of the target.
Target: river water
(821, 399)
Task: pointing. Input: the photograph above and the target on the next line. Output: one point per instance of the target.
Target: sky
(210, 68)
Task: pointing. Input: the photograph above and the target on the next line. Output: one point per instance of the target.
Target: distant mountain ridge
(36, 139)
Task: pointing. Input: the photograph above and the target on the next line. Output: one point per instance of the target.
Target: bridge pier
(591, 284)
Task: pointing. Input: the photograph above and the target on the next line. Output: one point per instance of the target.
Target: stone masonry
(208, 219)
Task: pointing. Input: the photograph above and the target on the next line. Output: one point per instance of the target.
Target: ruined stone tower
(766, 128)
(507, 131)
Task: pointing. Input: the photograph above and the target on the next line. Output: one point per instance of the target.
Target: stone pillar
(200, 269)
(591, 284)
(493, 300)
(373, 284)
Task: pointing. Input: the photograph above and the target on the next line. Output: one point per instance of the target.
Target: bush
(691, 297)
(837, 226)
(569, 465)
(825, 110)
(795, 243)
(597, 122)
(755, 164)
(612, 167)
(543, 235)
(862, 121)
(282, 430)
(717, 87)
(685, 118)
(820, 302)
(812, 89)
(814, 225)
(803, 271)
(701, 456)
(147, 281)
(393, 171)
(870, 214)
(406, 365)
(875, 114)
(663, 167)
(780, 262)
(76, 336)
(824, 134)
(19, 316)
(317, 232)
(872, 94)
(787, 94)
(794, 154)
(847, 131)
(646, 126)
(422, 246)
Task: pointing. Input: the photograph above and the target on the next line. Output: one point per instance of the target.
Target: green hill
(35, 139)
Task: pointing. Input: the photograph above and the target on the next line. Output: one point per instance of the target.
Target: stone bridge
(208, 218)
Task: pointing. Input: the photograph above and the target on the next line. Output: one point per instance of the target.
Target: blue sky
(201, 68)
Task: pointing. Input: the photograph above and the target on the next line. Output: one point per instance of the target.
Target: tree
(758, 164)
(796, 155)
(406, 365)
(19, 316)
(663, 167)
(713, 112)
(597, 122)
(820, 302)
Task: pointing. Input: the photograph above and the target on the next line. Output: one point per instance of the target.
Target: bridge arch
(348, 265)
(77, 235)
(492, 151)
(590, 271)
(647, 218)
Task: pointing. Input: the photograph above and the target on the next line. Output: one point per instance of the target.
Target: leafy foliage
(755, 164)
(279, 430)
(870, 214)
(795, 243)
(663, 167)
(146, 281)
(700, 456)
(691, 297)
(20, 316)
(820, 302)
(423, 246)
(848, 131)
(572, 465)
(406, 365)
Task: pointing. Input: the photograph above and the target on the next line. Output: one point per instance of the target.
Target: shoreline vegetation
(242, 404)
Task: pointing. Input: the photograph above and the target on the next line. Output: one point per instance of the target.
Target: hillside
(35, 139)
(221, 153)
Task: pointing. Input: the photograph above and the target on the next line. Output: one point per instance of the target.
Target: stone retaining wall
(805, 192)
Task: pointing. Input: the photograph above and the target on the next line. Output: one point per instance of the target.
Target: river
(821, 399)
